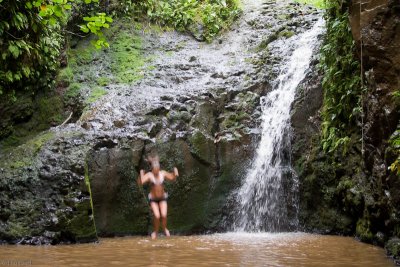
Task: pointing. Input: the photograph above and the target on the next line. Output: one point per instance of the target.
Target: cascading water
(267, 198)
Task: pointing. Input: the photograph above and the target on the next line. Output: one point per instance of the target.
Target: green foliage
(29, 48)
(56, 10)
(32, 36)
(212, 15)
(65, 76)
(73, 90)
(316, 3)
(103, 81)
(363, 230)
(396, 97)
(394, 143)
(95, 24)
(341, 82)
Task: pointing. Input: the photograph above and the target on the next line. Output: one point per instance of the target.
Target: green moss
(25, 154)
(82, 55)
(394, 148)
(103, 81)
(65, 76)
(73, 90)
(126, 57)
(49, 112)
(151, 67)
(96, 94)
(266, 41)
(233, 120)
(82, 226)
(11, 140)
(202, 147)
(286, 34)
(46, 110)
(363, 230)
(81, 60)
(282, 17)
(87, 182)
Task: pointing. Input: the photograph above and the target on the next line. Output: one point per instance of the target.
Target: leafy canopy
(32, 35)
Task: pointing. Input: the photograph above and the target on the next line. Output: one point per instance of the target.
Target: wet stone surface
(197, 104)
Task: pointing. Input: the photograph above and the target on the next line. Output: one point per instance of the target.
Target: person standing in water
(157, 196)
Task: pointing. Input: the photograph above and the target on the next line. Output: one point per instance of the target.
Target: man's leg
(156, 220)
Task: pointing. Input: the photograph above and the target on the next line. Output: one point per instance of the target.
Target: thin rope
(362, 88)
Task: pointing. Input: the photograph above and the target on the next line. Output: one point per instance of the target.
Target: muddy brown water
(229, 249)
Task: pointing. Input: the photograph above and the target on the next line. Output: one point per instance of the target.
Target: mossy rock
(65, 77)
(126, 57)
(393, 248)
(73, 90)
(81, 227)
(95, 94)
(202, 147)
(25, 154)
(119, 205)
(363, 230)
(204, 117)
(188, 195)
(286, 34)
(103, 81)
(266, 41)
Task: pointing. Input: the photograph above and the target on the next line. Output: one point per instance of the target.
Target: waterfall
(267, 199)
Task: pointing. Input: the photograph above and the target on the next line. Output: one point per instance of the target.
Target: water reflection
(229, 249)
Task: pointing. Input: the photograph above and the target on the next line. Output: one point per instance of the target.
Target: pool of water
(228, 249)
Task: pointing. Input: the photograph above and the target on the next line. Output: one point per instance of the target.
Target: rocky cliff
(356, 192)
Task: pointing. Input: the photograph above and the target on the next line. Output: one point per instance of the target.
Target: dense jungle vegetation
(34, 33)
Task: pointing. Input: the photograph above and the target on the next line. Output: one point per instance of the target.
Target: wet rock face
(117, 201)
(211, 164)
(197, 105)
(358, 195)
(380, 35)
(13, 114)
(44, 195)
(318, 211)
(379, 32)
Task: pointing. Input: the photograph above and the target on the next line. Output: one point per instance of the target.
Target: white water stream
(266, 201)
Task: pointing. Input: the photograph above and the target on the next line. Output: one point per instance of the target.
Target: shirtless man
(157, 196)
